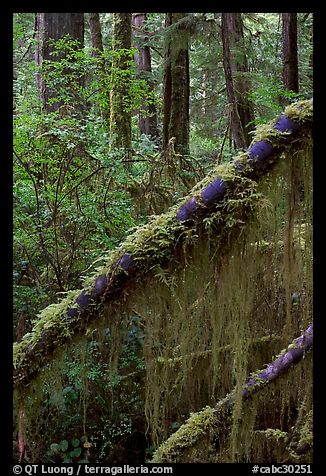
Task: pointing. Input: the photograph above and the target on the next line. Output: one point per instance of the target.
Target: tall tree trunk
(147, 114)
(237, 84)
(97, 52)
(167, 83)
(176, 85)
(290, 52)
(53, 26)
(96, 34)
(120, 118)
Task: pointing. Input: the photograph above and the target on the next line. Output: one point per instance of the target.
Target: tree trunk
(147, 114)
(96, 34)
(176, 85)
(237, 84)
(97, 52)
(290, 52)
(120, 118)
(53, 26)
(167, 84)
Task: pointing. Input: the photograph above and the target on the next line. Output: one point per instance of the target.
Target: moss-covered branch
(215, 423)
(155, 244)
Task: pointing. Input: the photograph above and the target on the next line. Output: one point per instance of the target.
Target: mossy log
(156, 242)
(212, 423)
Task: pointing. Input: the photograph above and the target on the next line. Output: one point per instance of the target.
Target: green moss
(301, 111)
(48, 319)
(208, 295)
(156, 240)
(274, 434)
(306, 435)
(197, 426)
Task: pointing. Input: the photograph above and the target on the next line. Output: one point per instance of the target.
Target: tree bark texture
(167, 84)
(210, 103)
(290, 52)
(147, 114)
(176, 86)
(237, 84)
(53, 26)
(96, 33)
(120, 118)
(97, 52)
(35, 349)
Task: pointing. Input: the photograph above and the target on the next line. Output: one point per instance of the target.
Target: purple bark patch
(303, 448)
(72, 312)
(213, 192)
(99, 286)
(126, 262)
(283, 362)
(260, 150)
(286, 125)
(188, 209)
(258, 155)
(83, 299)
(43, 337)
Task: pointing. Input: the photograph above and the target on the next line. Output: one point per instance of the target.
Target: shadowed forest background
(117, 116)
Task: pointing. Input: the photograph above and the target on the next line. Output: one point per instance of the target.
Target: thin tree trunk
(53, 26)
(237, 85)
(147, 113)
(290, 52)
(176, 85)
(167, 84)
(120, 118)
(96, 34)
(97, 52)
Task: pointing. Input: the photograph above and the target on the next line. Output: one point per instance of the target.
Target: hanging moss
(213, 429)
(209, 291)
(244, 291)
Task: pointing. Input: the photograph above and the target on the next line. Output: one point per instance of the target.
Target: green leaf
(75, 442)
(54, 448)
(75, 453)
(63, 445)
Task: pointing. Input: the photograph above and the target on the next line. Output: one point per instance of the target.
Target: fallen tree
(213, 425)
(156, 242)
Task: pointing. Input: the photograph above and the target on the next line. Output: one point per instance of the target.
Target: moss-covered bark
(102, 69)
(147, 114)
(209, 428)
(205, 284)
(176, 84)
(158, 244)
